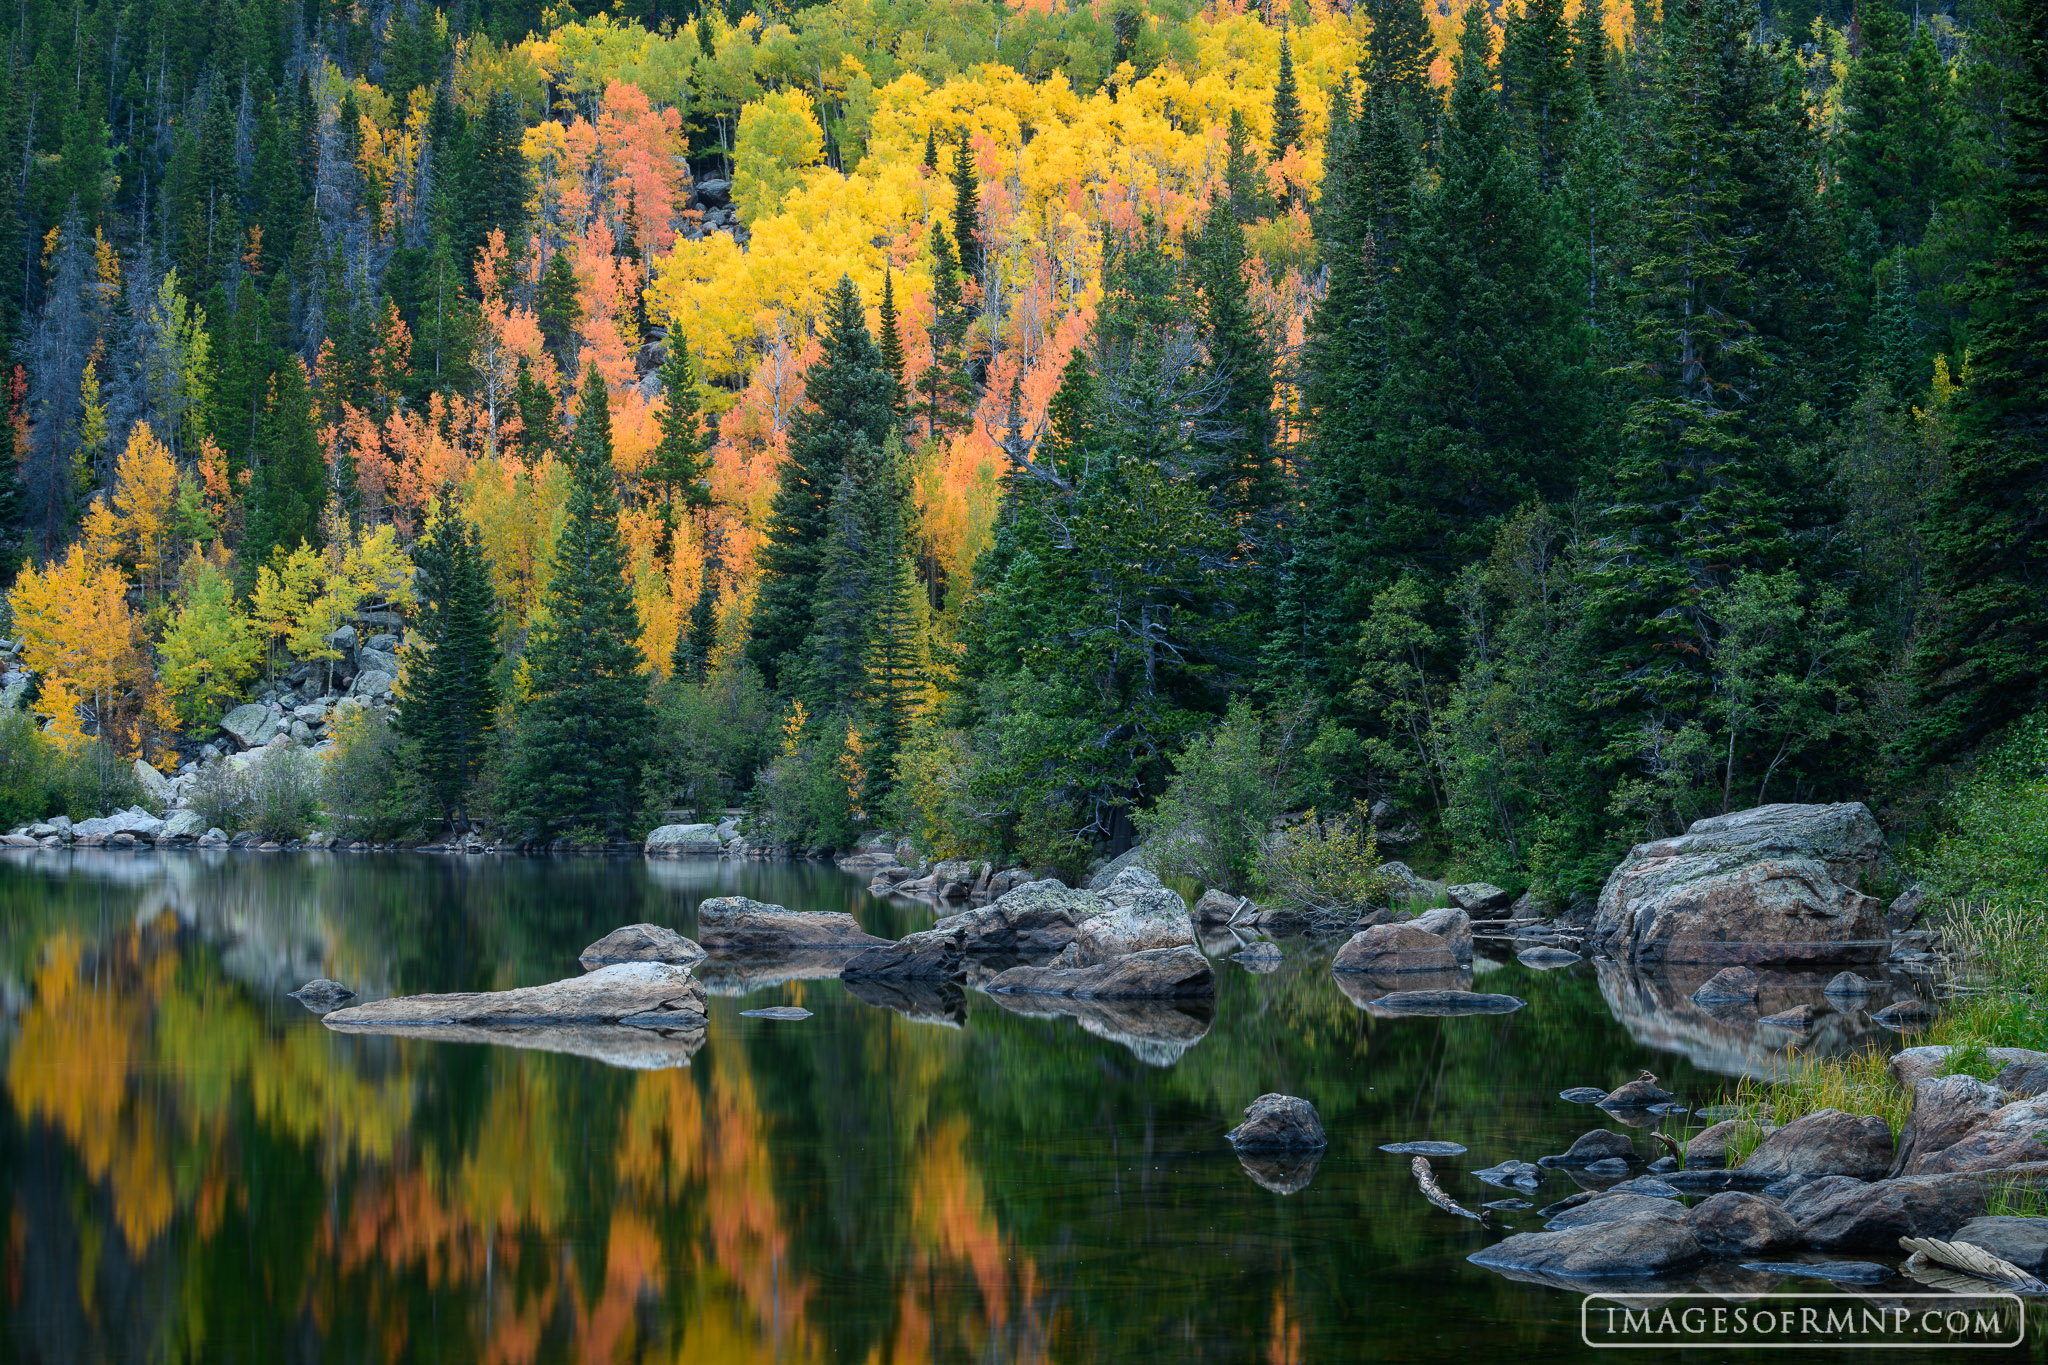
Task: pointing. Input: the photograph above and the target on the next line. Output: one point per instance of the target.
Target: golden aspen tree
(80, 638)
(145, 500)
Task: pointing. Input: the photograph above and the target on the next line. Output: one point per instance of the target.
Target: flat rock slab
(777, 1012)
(1507, 1205)
(1623, 1248)
(1522, 1174)
(1613, 1205)
(641, 943)
(631, 1047)
(1279, 1123)
(1443, 1004)
(1159, 974)
(1582, 1094)
(735, 924)
(1423, 1148)
(627, 992)
(1546, 959)
(1838, 1272)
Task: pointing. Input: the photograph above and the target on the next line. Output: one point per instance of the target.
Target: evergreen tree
(680, 465)
(891, 340)
(1484, 408)
(1893, 145)
(945, 393)
(582, 723)
(561, 308)
(535, 403)
(966, 211)
(896, 666)
(451, 695)
(846, 417)
(1244, 181)
(1543, 93)
(1287, 120)
(288, 487)
(1984, 664)
(1589, 51)
(1246, 478)
(1399, 53)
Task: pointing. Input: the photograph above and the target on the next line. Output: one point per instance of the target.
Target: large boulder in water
(640, 943)
(1279, 1123)
(930, 957)
(1037, 917)
(1159, 974)
(1649, 1243)
(734, 924)
(1826, 1142)
(652, 993)
(1384, 949)
(1141, 915)
(682, 841)
(1775, 885)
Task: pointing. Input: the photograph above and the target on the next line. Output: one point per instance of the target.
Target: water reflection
(196, 1168)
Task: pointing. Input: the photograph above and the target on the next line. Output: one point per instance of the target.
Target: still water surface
(194, 1169)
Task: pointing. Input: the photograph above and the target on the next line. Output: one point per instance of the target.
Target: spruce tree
(891, 340)
(1287, 120)
(561, 308)
(1543, 93)
(1985, 663)
(1399, 53)
(1589, 51)
(679, 465)
(1484, 408)
(1881, 118)
(966, 211)
(582, 725)
(845, 419)
(1244, 181)
(451, 695)
(288, 485)
(1247, 481)
(895, 670)
(945, 394)
(535, 403)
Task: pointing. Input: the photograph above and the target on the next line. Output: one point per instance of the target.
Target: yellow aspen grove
(145, 496)
(79, 636)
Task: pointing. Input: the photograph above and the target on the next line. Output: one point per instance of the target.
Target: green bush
(709, 741)
(39, 779)
(1326, 865)
(275, 795)
(1997, 845)
(1226, 791)
(370, 781)
(807, 795)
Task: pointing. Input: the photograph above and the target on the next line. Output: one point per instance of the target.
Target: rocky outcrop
(1279, 1123)
(1386, 949)
(641, 943)
(1038, 917)
(1450, 924)
(735, 924)
(1736, 1224)
(1775, 885)
(1141, 915)
(1909, 1066)
(2008, 1136)
(1158, 974)
(929, 957)
(683, 841)
(631, 992)
(1946, 1109)
(1843, 1214)
(1827, 1142)
(1645, 1244)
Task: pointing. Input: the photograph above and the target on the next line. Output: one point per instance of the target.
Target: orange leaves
(643, 153)
(411, 458)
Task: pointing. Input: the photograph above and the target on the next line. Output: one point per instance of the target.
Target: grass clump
(1860, 1083)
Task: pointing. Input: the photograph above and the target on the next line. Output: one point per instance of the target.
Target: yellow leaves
(285, 587)
(79, 636)
(779, 136)
(210, 649)
(145, 494)
(793, 729)
(484, 70)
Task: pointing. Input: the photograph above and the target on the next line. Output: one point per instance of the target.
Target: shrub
(370, 781)
(275, 795)
(809, 794)
(218, 796)
(1225, 793)
(1326, 865)
(39, 778)
(709, 740)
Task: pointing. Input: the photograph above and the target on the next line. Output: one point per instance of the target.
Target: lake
(194, 1168)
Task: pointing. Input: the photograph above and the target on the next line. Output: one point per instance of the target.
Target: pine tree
(845, 419)
(931, 150)
(1244, 181)
(896, 666)
(1287, 120)
(1877, 156)
(1400, 52)
(1986, 661)
(561, 308)
(679, 465)
(451, 694)
(288, 487)
(1483, 409)
(1247, 481)
(535, 403)
(1589, 51)
(966, 211)
(891, 340)
(1543, 93)
(582, 723)
(945, 394)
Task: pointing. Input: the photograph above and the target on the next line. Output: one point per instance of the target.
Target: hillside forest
(1517, 431)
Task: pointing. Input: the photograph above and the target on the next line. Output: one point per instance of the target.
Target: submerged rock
(1728, 985)
(629, 992)
(1546, 959)
(1835, 1272)
(1522, 1174)
(641, 943)
(1423, 1148)
(321, 995)
(1849, 986)
(1261, 957)
(1158, 974)
(1582, 1094)
(735, 924)
(788, 1012)
(1279, 1123)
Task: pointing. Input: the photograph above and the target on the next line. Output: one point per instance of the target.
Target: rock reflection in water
(620, 1045)
(1157, 1032)
(921, 1002)
(1657, 1008)
(1281, 1172)
(1362, 988)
